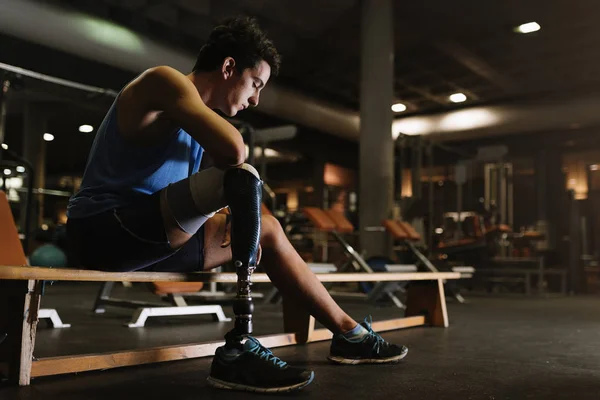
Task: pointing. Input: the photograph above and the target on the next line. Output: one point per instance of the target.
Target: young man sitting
(144, 204)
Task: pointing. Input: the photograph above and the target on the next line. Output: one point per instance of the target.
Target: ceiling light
(86, 128)
(458, 97)
(20, 169)
(528, 27)
(398, 107)
(4, 146)
(594, 167)
(48, 137)
(7, 171)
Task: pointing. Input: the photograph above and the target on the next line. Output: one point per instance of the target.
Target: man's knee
(271, 231)
(196, 199)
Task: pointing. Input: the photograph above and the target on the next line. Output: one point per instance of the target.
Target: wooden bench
(21, 289)
(20, 298)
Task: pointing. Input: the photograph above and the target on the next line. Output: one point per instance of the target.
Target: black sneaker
(256, 369)
(371, 349)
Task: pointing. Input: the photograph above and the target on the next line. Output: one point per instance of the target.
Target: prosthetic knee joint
(243, 193)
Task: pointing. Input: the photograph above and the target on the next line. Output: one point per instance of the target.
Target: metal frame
(145, 309)
(52, 314)
(138, 320)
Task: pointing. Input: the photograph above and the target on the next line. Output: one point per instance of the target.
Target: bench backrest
(401, 230)
(342, 224)
(11, 250)
(319, 219)
(328, 220)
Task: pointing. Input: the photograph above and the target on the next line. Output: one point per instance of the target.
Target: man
(144, 204)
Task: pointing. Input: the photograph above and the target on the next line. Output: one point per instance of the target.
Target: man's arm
(166, 89)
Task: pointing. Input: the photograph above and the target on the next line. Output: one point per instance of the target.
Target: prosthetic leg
(243, 193)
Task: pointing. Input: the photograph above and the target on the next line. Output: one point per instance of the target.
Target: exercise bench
(21, 290)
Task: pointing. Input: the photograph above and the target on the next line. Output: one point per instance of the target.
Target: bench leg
(19, 306)
(103, 294)
(52, 314)
(428, 298)
(296, 319)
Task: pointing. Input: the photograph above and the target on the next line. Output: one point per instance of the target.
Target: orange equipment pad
(161, 288)
(319, 218)
(410, 231)
(11, 251)
(342, 224)
(395, 229)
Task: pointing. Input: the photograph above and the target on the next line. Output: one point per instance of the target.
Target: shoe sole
(217, 383)
(354, 361)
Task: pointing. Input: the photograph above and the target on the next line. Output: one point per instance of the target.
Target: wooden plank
(90, 362)
(63, 274)
(30, 321)
(378, 326)
(429, 299)
(398, 323)
(19, 306)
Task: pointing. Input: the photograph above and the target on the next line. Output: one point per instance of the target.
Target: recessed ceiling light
(458, 97)
(528, 27)
(86, 128)
(4, 146)
(48, 137)
(20, 169)
(398, 107)
(7, 171)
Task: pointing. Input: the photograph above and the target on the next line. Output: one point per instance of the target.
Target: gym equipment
(408, 236)
(48, 255)
(172, 292)
(412, 206)
(7, 81)
(335, 223)
(262, 137)
(16, 256)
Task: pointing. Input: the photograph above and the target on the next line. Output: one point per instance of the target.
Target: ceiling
(441, 47)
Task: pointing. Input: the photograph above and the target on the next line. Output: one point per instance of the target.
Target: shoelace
(265, 353)
(379, 341)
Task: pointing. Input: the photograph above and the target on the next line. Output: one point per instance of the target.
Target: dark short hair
(242, 39)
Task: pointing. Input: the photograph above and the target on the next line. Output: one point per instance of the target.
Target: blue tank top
(117, 171)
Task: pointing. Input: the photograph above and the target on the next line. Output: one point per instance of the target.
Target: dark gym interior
(446, 137)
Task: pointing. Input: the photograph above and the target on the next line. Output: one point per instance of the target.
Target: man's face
(243, 89)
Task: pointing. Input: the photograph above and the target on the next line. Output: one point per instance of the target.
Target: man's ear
(228, 67)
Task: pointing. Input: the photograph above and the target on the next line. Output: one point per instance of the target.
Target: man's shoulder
(158, 82)
(162, 75)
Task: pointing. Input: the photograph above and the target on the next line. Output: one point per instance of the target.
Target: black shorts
(131, 238)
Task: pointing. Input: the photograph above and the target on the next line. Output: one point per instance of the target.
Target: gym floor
(495, 348)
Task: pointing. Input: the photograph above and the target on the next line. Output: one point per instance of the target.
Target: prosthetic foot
(243, 192)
